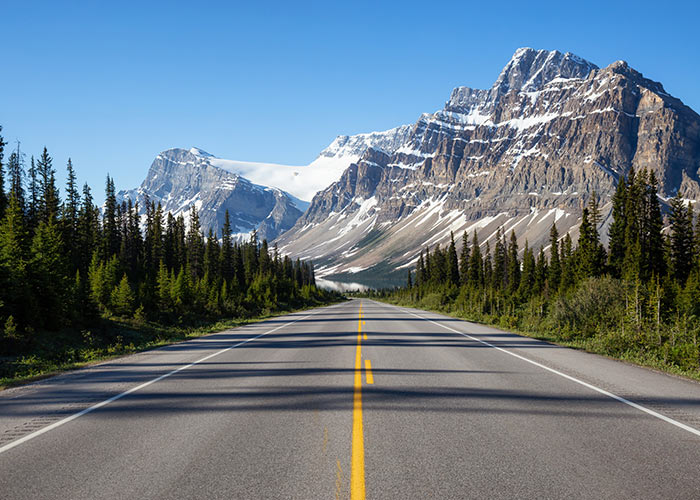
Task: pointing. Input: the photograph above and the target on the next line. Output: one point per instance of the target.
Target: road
(355, 400)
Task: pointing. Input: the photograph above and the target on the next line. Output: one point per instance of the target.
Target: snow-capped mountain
(264, 196)
(180, 178)
(521, 155)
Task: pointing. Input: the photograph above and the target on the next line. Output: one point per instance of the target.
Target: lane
(269, 419)
(449, 417)
(357, 400)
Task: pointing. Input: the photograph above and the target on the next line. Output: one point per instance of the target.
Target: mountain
(522, 155)
(179, 178)
(263, 196)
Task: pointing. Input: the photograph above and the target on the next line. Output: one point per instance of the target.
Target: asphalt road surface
(356, 400)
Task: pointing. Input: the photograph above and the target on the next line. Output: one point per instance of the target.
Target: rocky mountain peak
(529, 69)
(521, 156)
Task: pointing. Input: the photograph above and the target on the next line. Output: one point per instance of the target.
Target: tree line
(65, 263)
(639, 297)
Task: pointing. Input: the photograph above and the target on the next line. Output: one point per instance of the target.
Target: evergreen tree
(554, 273)
(122, 298)
(528, 277)
(110, 223)
(682, 239)
(541, 271)
(49, 273)
(476, 265)
(452, 263)
(33, 208)
(48, 193)
(464, 260)
(195, 245)
(500, 262)
(15, 170)
(226, 259)
(513, 265)
(617, 230)
(69, 218)
(568, 267)
(3, 198)
(14, 292)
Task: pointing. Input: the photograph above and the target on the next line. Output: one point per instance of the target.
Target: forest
(68, 268)
(637, 299)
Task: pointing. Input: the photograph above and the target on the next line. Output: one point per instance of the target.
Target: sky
(111, 84)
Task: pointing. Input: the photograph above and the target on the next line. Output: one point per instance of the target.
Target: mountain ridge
(521, 155)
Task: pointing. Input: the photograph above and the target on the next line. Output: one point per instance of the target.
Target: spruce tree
(554, 273)
(476, 265)
(452, 263)
(513, 265)
(110, 223)
(528, 277)
(122, 298)
(15, 293)
(3, 197)
(464, 260)
(617, 230)
(681, 247)
(15, 171)
(48, 193)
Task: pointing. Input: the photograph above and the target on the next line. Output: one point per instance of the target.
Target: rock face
(523, 154)
(179, 178)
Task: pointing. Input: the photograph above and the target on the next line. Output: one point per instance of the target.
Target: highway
(356, 400)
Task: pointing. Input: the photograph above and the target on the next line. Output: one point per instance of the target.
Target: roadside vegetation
(79, 284)
(637, 300)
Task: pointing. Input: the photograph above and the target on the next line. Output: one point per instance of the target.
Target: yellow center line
(368, 371)
(357, 473)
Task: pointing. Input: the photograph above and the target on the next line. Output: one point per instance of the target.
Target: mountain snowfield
(522, 155)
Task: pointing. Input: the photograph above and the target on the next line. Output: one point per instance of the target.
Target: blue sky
(113, 85)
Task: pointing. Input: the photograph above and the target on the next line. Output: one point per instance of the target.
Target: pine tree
(499, 261)
(122, 298)
(541, 272)
(48, 193)
(682, 239)
(554, 273)
(452, 263)
(226, 259)
(476, 265)
(528, 277)
(69, 220)
(464, 260)
(110, 224)
(49, 273)
(513, 265)
(195, 245)
(3, 198)
(14, 292)
(33, 208)
(617, 230)
(15, 170)
(568, 268)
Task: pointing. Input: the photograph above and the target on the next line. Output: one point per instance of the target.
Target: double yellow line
(357, 474)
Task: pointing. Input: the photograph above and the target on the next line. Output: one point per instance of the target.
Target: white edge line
(569, 377)
(51, 427)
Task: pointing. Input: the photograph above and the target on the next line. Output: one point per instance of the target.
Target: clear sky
(111, 84)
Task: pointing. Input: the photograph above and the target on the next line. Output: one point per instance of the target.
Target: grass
(54, 353)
